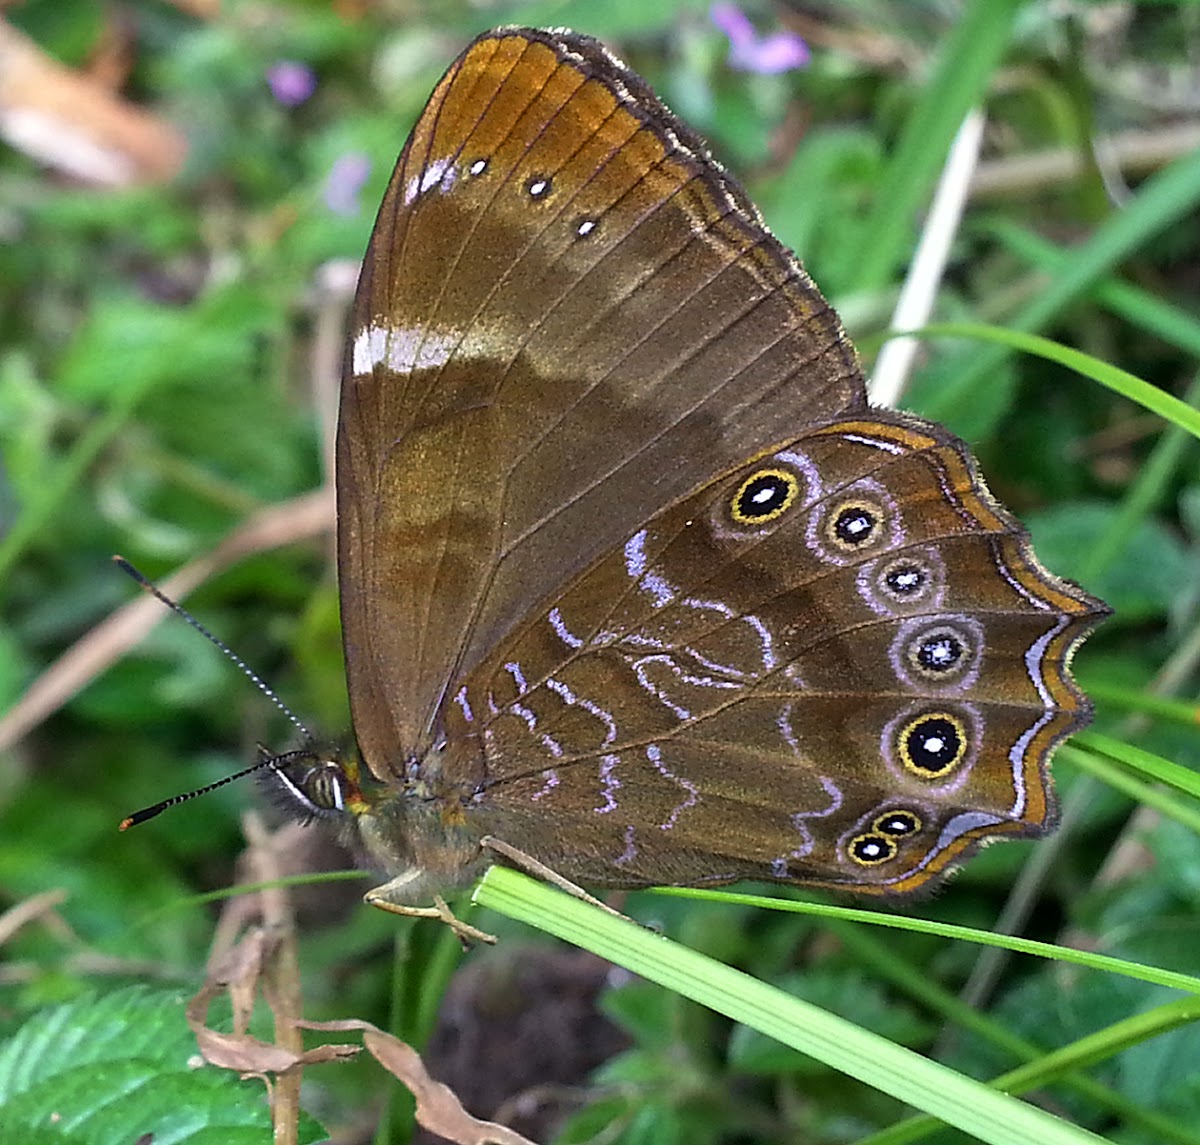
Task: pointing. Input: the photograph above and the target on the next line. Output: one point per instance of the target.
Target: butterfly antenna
(249, 672)
(158, 808)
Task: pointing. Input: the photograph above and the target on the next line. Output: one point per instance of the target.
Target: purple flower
(749, 52)
(291, 83)
(344, 181)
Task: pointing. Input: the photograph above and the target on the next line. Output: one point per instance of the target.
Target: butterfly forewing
(568, 316)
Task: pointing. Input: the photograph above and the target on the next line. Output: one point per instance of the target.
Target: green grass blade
(907, 1076)
(1088, 958)
(1171, 323)
(1167, 198)
(1183, 712)
(915, 983)
(968, 60)
(1087, 1051)
(1146, 763)
(1147, 794)
(1113, 377)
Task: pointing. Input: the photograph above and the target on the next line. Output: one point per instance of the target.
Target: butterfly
(636, 587)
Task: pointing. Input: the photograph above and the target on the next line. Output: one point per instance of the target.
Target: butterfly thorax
(420, 826)
(416, 844)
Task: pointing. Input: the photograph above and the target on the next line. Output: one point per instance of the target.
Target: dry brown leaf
(38, 906)
(239, 972)
(71, 122)
(438, 1109)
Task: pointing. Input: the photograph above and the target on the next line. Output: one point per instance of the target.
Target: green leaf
(1143, 581)
(114, 1068)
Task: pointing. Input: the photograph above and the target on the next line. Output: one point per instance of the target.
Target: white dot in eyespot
(933, 744)
(539, 187)
(856, 526)
(478, 167)
(910, 583)
(941, 652)
(585, 227)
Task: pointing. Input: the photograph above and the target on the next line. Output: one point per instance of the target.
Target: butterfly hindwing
(766, 669)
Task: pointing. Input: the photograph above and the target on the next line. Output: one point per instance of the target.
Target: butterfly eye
(312, 788)
(325, 787)
(764, 496)
(933, 744)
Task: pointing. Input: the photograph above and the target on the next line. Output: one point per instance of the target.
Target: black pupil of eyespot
(763, 496)
(933, 743)
(854, 526)
(940, 653)
(905, 581)
(898, 825)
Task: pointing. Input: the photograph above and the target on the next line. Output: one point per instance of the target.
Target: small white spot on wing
(440, 171)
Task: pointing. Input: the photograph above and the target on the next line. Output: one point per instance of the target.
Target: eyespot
(764, 496)
(903, 584)
(585, 227)
(904, 580)
(853, 525)
(871, 849)
(932, 745)
(897, 823)
(538, 187)
(478, 167)
(938, 652)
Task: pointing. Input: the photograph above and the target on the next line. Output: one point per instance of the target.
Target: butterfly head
(412, 823)
(312, 784)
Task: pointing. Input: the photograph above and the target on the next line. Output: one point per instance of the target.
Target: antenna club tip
(130, 570)
(126, 824)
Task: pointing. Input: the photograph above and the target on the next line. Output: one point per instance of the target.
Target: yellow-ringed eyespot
(764, 496)
(871, 849)
(853, 525)
(897, 823)
(932, 745)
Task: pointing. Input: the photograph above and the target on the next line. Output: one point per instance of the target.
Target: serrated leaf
(117, 1067)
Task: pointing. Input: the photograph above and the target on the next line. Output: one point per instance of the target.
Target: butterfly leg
(547, 874)
(466, 933)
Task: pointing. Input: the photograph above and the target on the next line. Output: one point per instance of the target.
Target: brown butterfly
(635, 585)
